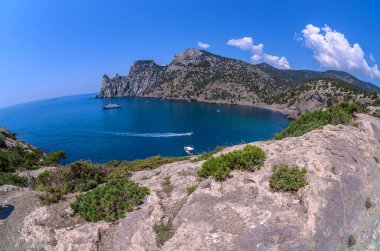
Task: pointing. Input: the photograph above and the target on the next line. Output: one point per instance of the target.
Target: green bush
(250, 158)
(12, 179)
(5, 162)
(336, 114)
(111, 201)
(163, 233)
(79, 176)
(50, 196)
(351, 241)
(54, 158)
(2, 142)
(288, 179)
(368, 203)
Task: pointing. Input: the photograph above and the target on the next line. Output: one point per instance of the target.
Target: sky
(54, 48)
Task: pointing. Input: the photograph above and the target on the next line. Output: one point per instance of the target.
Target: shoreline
(287, 112)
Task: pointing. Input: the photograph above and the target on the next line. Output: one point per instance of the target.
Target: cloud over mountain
(203, 45)
(258, 54)
(332, 50)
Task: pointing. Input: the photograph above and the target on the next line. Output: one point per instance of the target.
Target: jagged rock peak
(188, 55)
(105, 77)
(144, 62)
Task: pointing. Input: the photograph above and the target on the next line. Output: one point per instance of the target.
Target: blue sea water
(143, 127)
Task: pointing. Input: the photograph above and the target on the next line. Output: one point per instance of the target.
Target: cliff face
(142, 77)
(241, 213)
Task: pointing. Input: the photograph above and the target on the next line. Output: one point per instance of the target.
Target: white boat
(111, 106)
(189, 150)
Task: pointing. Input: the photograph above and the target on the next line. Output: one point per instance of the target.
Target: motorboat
(111, 106)
(189, 150)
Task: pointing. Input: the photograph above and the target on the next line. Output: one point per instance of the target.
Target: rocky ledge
(241, 213)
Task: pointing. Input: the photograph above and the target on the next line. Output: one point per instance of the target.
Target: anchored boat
(189, 150)
(111, 106)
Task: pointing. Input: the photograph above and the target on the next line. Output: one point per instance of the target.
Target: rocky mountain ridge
(202, 76)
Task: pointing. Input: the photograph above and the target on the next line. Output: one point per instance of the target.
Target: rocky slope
(203, 76)
(241, 213)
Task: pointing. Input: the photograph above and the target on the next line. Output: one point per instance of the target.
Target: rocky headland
(197, 75)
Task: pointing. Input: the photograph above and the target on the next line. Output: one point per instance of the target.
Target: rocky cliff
(203, 76)
(241, 213)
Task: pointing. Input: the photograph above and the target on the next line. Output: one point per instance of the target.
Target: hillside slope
(203, 76)
(241, 213)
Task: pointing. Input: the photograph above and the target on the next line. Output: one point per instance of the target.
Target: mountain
(202, 76)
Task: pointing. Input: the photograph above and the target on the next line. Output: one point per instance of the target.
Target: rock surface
(242, 213)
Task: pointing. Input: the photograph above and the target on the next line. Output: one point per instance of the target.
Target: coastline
(289, 113)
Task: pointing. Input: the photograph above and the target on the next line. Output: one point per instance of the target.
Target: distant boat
(189, 150)
(111, 106)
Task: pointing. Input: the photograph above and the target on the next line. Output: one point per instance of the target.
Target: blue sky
(56, 48)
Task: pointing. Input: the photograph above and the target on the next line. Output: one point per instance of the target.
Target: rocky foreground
(241, 213)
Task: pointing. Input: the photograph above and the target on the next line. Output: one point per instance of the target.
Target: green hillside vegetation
(111, 201)
(250, 158)
(334, 115)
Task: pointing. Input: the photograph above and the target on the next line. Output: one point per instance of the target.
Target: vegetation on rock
(111, 201)
(351, 241)
(250, 158)
(163, 233)
(54, 158)
(368, 203)
(336, 114)
(287, 178)
(120, 169)
(79, 176)
(12, 179)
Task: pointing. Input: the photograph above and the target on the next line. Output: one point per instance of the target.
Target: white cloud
(203, 45)
(258, 54)
(372, 57)
(332, 50)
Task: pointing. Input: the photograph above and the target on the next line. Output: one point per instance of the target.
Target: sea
(141, 128)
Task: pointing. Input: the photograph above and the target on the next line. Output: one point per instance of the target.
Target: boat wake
(149, 135)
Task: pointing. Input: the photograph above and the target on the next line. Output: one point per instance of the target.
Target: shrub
(32, 159)
(79, 176)
(167, 186)
(250, 158)
(336, 114)
(5, 162)
(368, 203)
(54, 158)
(51, 196)
(111, 201)
(351, 241)
(82, 176)
(288, 179)
(163, 233)
(191, 189)
(2, 143)
(12, 179)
